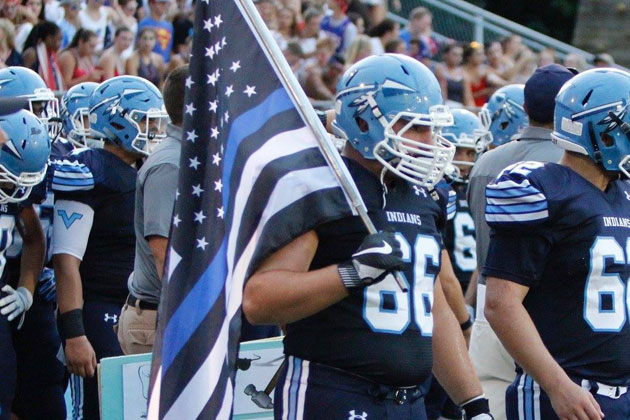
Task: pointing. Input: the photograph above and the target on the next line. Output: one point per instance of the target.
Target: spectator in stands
(604, 60)
(512, 46)
(182, 29)
(314, 85)
(576, 61)
(483, 82)
(40, 53)
(396, 46)
(156, 187)
(70, 22)
(77, 61)
(182, 57)
(387, 30)
(526, 64)
(295, 57)
(453, 80)
(358, 21)
(310, 33)
(96, 17)
(377, 10)
(23, 19)
(287, 24)
(268, 12)
(360, 48)
(163, 29)
(338, 26)
(494, 58)
(420, 19)
(546, 56)
(144, 62)
(128, 19)
(8, 55)
(112, 63)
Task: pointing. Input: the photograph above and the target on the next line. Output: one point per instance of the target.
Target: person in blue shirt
(558, 262)
(163, 28)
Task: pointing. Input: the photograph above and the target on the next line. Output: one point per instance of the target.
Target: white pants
(493, 364)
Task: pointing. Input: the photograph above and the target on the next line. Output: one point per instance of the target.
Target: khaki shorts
(136, 329)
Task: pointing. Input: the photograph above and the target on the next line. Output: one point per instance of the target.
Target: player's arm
(17, 301)
(282, 290)
(451, 363)
(471, 292)
(508, 317)
(71, 230)
(453, 294)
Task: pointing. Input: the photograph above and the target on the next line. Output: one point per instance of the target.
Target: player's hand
(80, 356)
(378, 255)
(16, 302)
(571, 401)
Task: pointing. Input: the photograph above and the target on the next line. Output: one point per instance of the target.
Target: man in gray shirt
(155, 198)
(493, 364)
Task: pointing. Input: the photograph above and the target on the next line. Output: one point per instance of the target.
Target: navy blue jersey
(459, 238)
(380, 333)
(106, 184)
(568, 241)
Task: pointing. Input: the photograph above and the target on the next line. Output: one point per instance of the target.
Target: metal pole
(280, 65)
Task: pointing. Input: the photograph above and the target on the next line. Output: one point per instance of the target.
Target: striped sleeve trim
(451, 206)
(513, 199)
(71, 176)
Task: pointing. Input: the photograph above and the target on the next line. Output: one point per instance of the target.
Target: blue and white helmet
(504, 116)
(24, 157)
(25, 83)
(591, 118)
(75, 113)
(380, 91)
(466, 133)
(128, 111)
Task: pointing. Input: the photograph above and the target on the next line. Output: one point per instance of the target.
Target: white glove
(16, 302)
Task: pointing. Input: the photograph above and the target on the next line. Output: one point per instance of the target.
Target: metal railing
(462, 21)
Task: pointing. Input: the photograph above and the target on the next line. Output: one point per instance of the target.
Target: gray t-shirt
(155, 198)
(533, 144)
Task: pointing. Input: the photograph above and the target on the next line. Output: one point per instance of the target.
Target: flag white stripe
(512, 217)
(154, 401)
(226, 409)
(533, 198)
(200, 388)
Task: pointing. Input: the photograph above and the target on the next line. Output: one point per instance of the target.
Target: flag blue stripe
(245, 125)
(517, 208)
(194, 307)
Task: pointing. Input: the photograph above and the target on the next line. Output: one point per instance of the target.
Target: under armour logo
(355, 416)
(109, 317)
(419, 191)
(68, 221)
(627, 195)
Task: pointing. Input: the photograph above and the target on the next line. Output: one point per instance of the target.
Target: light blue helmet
(504, 115)
(377, 92)
(591, 118)
(128, 111)
(22, 82)
(465, 133)
(75, 113)
(24, 157)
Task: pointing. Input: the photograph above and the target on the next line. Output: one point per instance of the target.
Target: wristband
(72, 323)
(476, 406)
(466, 324)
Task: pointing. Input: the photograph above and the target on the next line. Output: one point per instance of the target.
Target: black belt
(134, 301)
(400, 395)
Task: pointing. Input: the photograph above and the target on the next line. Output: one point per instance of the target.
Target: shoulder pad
(515, 197)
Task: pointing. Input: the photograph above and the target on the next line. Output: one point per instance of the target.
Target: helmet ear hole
(504, 125)
(362, 124)
(607, 139)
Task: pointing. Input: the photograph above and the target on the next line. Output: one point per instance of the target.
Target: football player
(23, 161)
(357, 346)
(37, 342)
(503, 116)
(459, 241)
(557, 267)
(93, 239)
(75, 116)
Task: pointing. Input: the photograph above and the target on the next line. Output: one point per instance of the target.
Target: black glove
(477, 409)
(378, 255)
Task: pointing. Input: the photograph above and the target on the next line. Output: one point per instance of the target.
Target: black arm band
(72, 323)
(476, 406)
(466, 324)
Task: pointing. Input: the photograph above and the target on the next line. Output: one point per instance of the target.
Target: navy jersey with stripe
(459, 239)
(107, 184)
(569, 242)
(379, 333)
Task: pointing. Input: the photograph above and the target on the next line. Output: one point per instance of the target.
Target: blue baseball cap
(541, 90)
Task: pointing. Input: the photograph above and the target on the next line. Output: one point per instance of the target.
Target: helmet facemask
(419, 163)
(151, 126)
(45, 106)
(14, 189)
